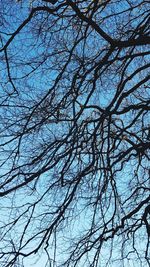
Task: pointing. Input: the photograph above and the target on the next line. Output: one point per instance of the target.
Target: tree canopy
(75, 132)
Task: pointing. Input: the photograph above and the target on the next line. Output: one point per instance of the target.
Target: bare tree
(75, 133)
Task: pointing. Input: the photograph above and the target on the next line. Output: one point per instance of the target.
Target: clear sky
(61, 133)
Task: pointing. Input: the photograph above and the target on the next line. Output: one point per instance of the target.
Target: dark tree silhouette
(75, 132)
